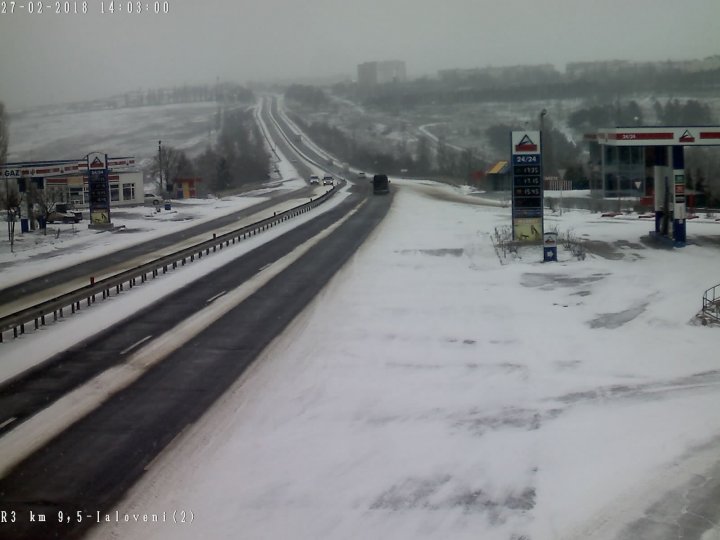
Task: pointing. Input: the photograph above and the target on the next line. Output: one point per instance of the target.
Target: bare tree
(10, 200)
(3, 134)
(704, 164)
(45, 201)
(165, 167)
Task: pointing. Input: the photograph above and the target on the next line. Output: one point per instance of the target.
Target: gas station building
(69, 179)
(648, 162)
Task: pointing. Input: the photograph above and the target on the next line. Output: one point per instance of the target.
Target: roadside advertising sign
(527, 190)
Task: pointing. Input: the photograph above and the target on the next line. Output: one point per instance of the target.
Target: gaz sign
(98, 190)
(527, 190)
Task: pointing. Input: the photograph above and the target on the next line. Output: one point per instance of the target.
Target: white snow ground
(432, 392)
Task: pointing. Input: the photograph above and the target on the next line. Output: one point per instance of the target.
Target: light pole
(561, 173)
(160, 163)
(542, 159)
(543, 113)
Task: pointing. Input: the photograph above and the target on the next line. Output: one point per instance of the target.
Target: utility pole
(543, 153)
(544, 143)
(160, 169)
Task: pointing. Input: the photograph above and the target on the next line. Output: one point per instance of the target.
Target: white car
(361, 175)
(151, 198)
(63, 213)
(314, 180)
(328, 180)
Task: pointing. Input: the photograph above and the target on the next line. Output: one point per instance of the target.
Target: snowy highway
(35, 284)
(409, 381)
(432, 390)
(253, 291)
(164, 393)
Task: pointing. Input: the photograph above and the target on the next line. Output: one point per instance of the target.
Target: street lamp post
(561, 174)
(543, 113)
(542, 156)
(160, 163)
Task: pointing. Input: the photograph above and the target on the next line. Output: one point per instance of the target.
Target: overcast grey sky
(52, 57)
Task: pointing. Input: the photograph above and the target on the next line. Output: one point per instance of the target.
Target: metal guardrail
(711, 303)
(55, 307)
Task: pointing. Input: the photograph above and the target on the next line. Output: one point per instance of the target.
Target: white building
(373, 74)
(68, 180)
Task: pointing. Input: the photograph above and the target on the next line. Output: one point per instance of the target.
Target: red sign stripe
(710, 134)
(642, 136)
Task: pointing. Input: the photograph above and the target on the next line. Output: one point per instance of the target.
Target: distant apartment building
(370, 75)
(512, 75)
(609, 68)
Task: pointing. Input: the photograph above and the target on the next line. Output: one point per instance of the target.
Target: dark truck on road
(381, 184)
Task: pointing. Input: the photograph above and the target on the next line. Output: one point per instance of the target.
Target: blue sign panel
(527, 189)
(526, 159)
(98, 190)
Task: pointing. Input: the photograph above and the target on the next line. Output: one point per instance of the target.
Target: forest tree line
(239, 157)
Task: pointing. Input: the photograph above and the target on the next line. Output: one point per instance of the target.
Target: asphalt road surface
(89, 466)
(119, 257)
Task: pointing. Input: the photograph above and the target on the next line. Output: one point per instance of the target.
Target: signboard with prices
(98, 190)
(527, 191)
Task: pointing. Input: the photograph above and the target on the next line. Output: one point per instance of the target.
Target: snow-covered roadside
(31, 349)
(431, 392)
(27, 351)
(36, 253)
(42, 427)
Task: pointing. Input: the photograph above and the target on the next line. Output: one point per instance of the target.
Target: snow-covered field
(432, 392)
(35, 254)
(119, 132)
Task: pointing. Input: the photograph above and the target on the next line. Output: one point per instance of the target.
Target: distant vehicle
(328, 180)
(314, 180)
(63, 213)
(151, 198)
(361, 175)
(381, 184)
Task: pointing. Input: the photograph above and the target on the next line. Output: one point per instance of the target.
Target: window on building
(610, 152)
(55, 194)
(77, 195)
(128, 191)
(624, 155)
(114, 192)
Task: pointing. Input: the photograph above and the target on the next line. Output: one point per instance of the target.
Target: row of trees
(3, 134)
(589, 119)
(559, 152)
(702, 167)
(240, 157)
(483, 88)
(422, 157)
(225, 92)
(9, 200)
(307, 95)
(672, 113)
(221, 92)
(690, 113)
